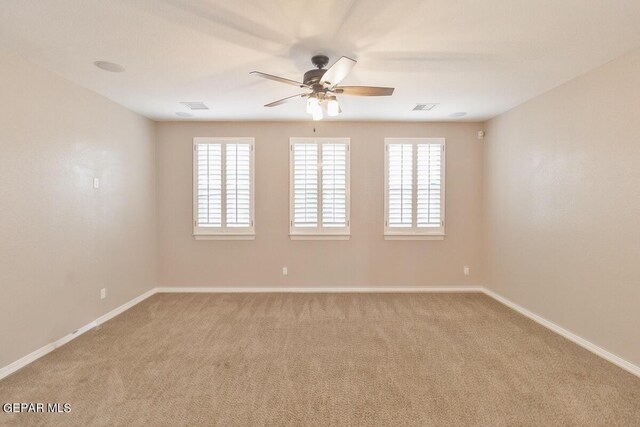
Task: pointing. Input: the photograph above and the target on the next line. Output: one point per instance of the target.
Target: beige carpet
(324, 359)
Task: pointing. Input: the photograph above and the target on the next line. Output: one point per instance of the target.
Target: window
(414, 188)
(223, 188)
(319, 188)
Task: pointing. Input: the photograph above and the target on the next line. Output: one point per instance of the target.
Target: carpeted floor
(324, 359)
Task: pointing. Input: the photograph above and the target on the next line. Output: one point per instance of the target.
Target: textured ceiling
(478, 57)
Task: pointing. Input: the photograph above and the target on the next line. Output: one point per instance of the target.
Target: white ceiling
(479, 57)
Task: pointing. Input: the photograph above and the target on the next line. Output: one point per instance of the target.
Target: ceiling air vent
(195, 105)
(424, 107)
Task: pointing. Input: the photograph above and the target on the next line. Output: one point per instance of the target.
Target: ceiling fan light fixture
(312, 102)
(333, 108)
(316, 112)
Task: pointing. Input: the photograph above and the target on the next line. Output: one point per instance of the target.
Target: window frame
(320, 232)
(414, 232)
(224, 232)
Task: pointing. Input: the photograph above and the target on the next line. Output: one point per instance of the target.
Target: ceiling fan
(323, 84)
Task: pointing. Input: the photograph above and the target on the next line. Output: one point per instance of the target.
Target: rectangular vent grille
(195, 105)
(424, 107)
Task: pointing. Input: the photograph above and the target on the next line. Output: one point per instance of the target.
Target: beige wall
(61, 240)
(562, 199)
(365, 260)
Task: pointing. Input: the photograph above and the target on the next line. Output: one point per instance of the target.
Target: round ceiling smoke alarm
(109, 66)
(458, 114)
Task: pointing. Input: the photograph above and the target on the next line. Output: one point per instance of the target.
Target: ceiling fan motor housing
(312, 77)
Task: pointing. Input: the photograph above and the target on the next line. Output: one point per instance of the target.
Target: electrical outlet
(103, 293)
(285, 271)
(466, 270)
(96, 182)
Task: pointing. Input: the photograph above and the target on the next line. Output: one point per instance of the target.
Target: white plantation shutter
(429, 184)
(305, 185)
(223, 187)
(319, 186)
(400, 185)
(414, 186)
(209, 185)
(238, 188)
(334, 185)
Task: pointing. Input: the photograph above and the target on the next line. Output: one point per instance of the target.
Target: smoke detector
(109, 66)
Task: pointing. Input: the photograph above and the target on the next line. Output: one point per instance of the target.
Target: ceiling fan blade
(338, 71)
(287, 99)
(278, 79)
(363, 90)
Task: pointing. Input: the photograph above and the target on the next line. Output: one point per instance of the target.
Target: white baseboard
(31, 357)
(37, 354)
(616, 360)
(20, 363)
(124, 307)
(335, 289)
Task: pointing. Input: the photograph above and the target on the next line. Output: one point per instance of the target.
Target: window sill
(319, 236)
(414, 237)
(224, 236)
